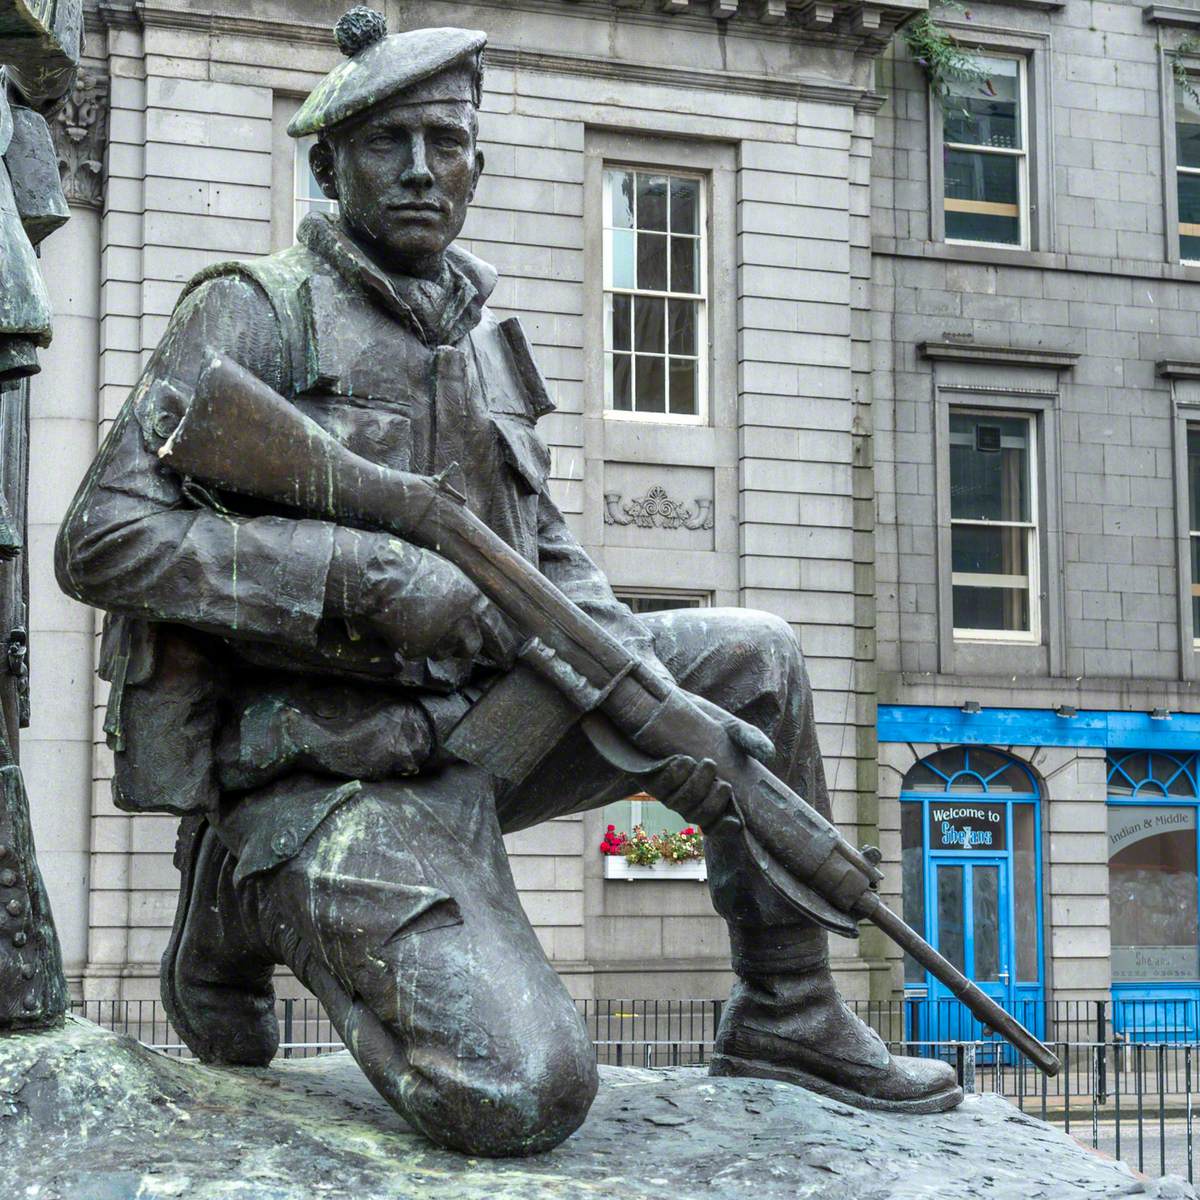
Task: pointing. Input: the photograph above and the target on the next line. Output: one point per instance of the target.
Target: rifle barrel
(982, 1005)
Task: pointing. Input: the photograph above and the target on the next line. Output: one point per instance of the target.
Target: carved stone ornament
(80, 129)
(656, 510)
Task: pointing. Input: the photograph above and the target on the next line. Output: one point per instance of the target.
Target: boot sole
(749, 1068)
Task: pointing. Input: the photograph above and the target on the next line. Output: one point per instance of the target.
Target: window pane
(651, 604)
(950, 915)
(1189, 217)
(982, 197)
(622, 387)
(991, 608)
(1193, 452)
(685, 264)
(683, 386)
(619, 815)
(912, 871)
(985, 908)
(986, 113)
(1195, 543)
(685, 206)
(1152, 892)
(682, 337)
(652, 262)
(1024, 880)
(651, 384)
(652, 202)
(621, 190)
(1187, 129)
(621, 318)
(990, 550)
(622, 258)
(649, 325)
(989, 468)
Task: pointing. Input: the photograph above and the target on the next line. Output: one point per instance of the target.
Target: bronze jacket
(215, 605)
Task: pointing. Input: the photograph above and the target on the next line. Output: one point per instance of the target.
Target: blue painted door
(970, 927)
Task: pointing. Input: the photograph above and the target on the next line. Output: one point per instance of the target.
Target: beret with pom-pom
(435, 63)
(358, 29)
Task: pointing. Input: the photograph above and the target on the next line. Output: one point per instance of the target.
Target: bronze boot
(216, 979)
(785, 1020)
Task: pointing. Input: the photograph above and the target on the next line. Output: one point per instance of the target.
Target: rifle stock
(239, 435)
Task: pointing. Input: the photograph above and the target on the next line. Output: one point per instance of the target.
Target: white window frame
(625, 594)
(1033, 635)
(1022, 155)
(703, 349)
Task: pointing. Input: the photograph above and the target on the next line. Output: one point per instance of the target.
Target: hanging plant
(940, 56)
(1189, 47)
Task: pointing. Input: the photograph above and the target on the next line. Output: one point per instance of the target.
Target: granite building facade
(918, 378)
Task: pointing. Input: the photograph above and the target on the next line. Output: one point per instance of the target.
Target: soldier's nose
(417, 173)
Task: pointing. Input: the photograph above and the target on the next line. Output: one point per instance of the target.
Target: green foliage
(1184, 80)
(940, 56)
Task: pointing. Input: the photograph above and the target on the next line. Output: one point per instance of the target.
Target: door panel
(971, 929)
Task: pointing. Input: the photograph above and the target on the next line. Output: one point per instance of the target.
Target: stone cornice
(864, 25)
(1020, 356)
(1177, 368)
(1167, 14)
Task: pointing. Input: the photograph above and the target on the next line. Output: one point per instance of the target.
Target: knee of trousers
(524, 1096)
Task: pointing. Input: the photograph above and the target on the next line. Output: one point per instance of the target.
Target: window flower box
(616, 867)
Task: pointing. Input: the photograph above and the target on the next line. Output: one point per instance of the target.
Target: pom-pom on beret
(379, 67)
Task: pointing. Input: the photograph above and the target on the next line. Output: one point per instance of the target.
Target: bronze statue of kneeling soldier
(290, 685)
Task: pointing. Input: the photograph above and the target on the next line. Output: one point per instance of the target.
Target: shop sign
(968, 827)
(1130, 824)
(1156, 964)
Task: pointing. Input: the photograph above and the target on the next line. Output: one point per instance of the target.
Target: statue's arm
(137, 541)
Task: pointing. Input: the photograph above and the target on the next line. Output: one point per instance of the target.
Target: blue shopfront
(973, 858)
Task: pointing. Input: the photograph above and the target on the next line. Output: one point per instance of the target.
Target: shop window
(994, 527)
(1193, 471)
(985, 156)
(1153, 900)
(1187, 173)
(306, 191)
(655, 295)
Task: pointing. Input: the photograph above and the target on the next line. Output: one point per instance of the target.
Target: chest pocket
(381, 433)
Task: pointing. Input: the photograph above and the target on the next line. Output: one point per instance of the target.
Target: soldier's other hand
(421, 604)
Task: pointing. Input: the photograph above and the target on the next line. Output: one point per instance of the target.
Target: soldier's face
(404, 177)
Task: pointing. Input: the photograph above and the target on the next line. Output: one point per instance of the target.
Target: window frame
(1033, 527)
(1170, 149)
(1024, 214)
(703, 339)
(1191, 573)
(1034, 49)
(1185, 403)
(625, 593)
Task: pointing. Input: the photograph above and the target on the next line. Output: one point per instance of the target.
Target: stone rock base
(88, 1115)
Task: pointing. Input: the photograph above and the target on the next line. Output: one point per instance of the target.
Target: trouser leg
(784, 1018)
(400, 914)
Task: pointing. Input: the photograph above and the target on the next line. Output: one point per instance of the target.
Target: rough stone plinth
(88, 1115)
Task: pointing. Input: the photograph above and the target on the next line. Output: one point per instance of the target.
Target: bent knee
(523, 1102)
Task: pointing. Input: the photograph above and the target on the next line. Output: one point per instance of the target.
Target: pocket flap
(525, 452)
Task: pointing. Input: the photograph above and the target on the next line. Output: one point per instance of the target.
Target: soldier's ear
(320, 159)
(479, 163)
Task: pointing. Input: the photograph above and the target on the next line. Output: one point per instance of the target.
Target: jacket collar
(472, 279)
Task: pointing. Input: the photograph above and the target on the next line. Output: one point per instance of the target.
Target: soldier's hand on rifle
(690, 786)
(416, 601)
